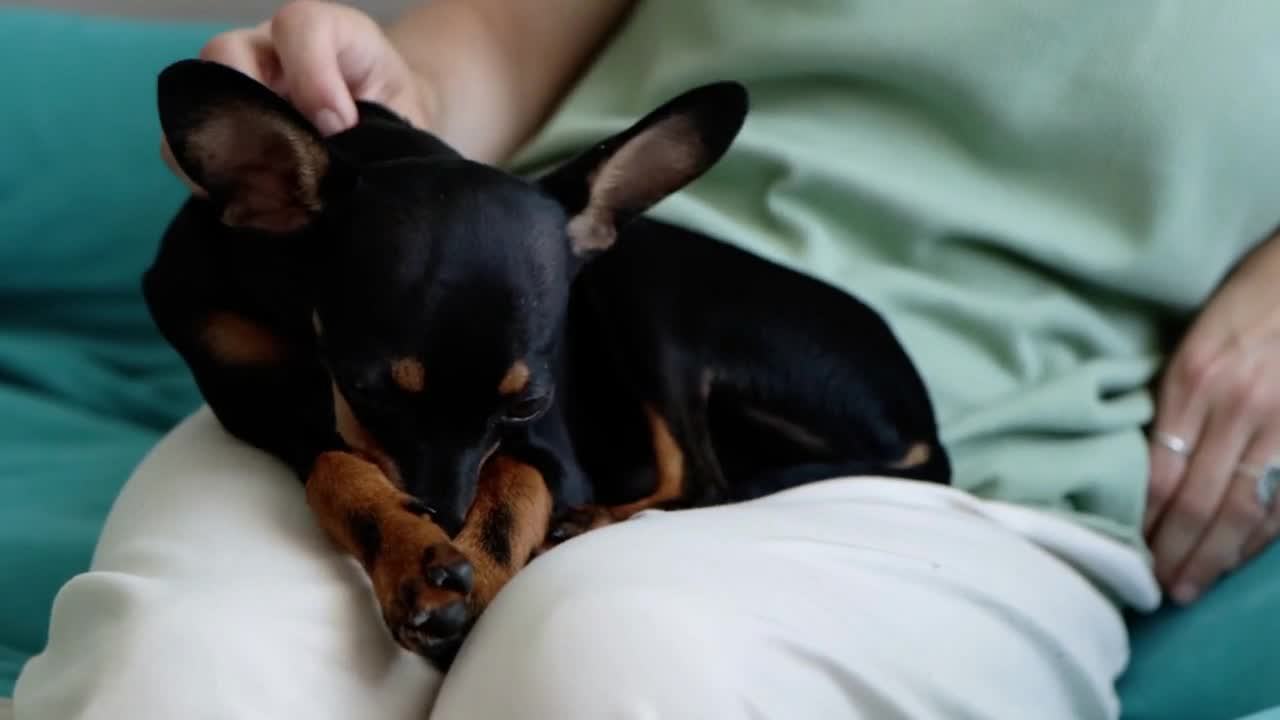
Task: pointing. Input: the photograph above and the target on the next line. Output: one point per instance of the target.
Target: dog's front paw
(424, 593)
(422, 580)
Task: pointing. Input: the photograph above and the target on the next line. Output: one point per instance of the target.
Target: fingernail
(328, 122)
(1186, 593)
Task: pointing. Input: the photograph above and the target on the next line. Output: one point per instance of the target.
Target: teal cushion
(86, 384)
(1218, 659)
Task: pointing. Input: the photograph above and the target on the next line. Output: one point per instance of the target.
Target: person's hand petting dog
(322, 57)
(1212, 498)
(476, 73)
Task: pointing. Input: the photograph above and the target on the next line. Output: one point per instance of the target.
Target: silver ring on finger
(1173, 443)
(1266, 482)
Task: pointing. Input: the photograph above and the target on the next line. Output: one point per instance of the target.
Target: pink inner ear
(656, 162)
(263, 199)
(268, 170)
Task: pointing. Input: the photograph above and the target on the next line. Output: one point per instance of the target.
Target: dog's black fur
(458, 309)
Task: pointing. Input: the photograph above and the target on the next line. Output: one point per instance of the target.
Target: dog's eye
(526, 409)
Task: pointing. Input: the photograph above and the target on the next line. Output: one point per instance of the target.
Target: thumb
(305, 35)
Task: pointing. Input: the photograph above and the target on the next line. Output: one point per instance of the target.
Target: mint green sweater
(1034, 194)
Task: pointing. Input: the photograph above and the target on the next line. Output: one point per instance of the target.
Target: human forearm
(492, 70)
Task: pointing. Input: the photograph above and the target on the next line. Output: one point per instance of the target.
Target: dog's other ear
(626, 174)
(256, 156)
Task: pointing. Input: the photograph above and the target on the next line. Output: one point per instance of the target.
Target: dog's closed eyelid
(527, 406)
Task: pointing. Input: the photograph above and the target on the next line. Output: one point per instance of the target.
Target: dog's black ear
(256, 156)
(626, 174)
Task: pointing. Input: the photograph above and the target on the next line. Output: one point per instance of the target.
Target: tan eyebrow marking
(516, 379)
(409, 374)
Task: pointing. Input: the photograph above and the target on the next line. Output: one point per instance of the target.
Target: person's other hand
(322, 57)
(1217, 428)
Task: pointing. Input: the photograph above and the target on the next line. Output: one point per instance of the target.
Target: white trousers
(214, 595)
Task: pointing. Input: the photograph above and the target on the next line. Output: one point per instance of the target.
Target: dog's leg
(421, 581)
(506, 524)
(430, 588)
(683, 472)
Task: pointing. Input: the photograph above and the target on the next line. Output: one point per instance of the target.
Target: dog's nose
(445, 478)
(449, 520)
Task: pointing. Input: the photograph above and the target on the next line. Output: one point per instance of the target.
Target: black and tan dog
(450, 356)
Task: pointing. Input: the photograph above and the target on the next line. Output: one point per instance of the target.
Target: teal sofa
(87, 386)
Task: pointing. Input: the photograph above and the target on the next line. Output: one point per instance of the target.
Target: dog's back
(768, 378)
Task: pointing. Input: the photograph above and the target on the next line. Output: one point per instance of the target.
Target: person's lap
(213, 591)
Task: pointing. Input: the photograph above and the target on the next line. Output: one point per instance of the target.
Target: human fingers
(323, 49)
(1241, 514)
(1181, 410)
(248, 50)
(1194, 506)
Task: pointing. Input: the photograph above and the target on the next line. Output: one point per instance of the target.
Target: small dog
(467, 367)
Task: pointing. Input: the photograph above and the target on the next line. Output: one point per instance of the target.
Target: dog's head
(440, 284)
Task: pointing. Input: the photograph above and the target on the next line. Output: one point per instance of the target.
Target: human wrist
(426, 101)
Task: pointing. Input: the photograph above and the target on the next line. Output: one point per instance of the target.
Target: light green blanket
(1033, 194)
